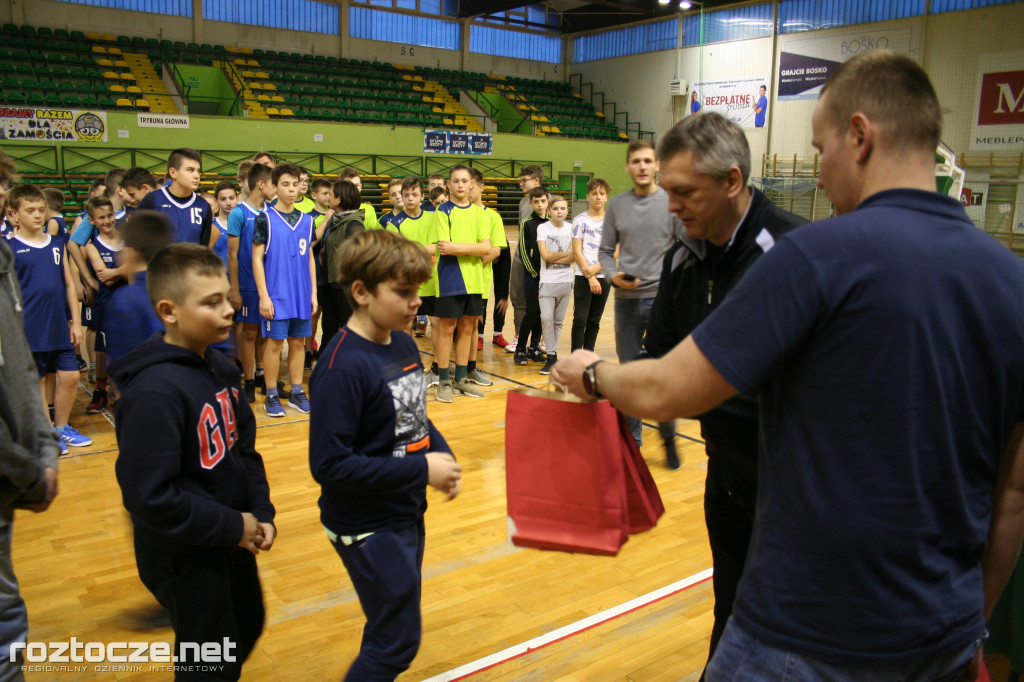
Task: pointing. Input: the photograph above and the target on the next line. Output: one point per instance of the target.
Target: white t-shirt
(555, 239)
(587, 228)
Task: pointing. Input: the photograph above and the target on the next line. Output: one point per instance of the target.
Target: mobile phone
(629, 278)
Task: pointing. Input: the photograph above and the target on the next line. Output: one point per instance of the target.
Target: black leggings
(531, 320)
(336, 312)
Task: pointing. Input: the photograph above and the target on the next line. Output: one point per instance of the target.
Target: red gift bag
(575, 479)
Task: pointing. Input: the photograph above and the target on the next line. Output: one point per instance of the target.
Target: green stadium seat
(10, 28)
(71, 100)
(35, 98)
(152, 42)
(77, 35)
(14, 98)
(192, 46)
(46, 85)
(137, 42)
(25, 69)
(90, 102)
(59, 72)
(61, 33)
(27, 30)
(107, 103)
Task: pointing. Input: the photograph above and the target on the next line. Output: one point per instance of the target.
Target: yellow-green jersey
(420, 230)
(497, 236)
(306, 205)
(457, 275)
(370, 221)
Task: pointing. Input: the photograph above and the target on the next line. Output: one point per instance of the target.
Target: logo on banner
(1002, 98)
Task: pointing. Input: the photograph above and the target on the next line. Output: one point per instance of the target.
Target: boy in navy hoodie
(188, 468)
(372, 449)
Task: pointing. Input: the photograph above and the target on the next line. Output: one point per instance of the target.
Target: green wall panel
(341, 145)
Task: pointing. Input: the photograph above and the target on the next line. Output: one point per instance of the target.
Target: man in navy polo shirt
(885, 349)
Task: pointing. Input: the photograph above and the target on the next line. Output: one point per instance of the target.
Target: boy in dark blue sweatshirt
(372, 449)
(188, 468)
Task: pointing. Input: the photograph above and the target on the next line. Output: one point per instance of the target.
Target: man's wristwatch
(590, 379)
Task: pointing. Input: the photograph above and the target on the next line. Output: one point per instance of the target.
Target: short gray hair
(717, 144)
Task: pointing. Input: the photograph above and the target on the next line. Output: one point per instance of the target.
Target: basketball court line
(513, 652)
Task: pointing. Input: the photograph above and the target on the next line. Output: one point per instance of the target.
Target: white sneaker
(511, 348)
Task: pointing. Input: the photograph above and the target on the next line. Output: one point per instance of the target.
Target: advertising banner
(457, 142)
(26, 124)
(741, 100)
(999, 123)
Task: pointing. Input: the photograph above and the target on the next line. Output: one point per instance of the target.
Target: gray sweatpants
(554, 304)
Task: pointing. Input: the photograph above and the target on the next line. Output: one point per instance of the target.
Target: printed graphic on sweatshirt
(411, 432)
(217, 429)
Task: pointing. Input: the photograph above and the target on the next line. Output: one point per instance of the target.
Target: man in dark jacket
(705, 164)
(28, 447)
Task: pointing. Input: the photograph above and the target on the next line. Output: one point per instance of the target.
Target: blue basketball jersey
(220, 247)
(286, 263)
(240, 224)
(62, 228)
(40, 269)
(188, 216)
(108, 254)
(6, 229)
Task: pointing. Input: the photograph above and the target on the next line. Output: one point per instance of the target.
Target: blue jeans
(741, 658)
(631, 316)
(13, 617)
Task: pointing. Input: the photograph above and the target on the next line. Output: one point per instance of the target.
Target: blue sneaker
(272, 405)
(299, 401)
(60, 440)
(69, 436)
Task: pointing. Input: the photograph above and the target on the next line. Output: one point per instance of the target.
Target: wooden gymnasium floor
(485, 602)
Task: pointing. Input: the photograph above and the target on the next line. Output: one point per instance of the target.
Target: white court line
(464, 671)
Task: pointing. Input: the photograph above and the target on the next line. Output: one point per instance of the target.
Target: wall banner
(60, 125)
(999, 123)
(737, 99)
(457, 142)
(805, 63)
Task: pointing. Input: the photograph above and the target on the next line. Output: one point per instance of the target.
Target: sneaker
(444, 392)
(421, 325)
(69, 436)
(82, 366)
(552, 359)
(500, 341)
(537, 355)
(511, 348)
(479, 341)
(521, 359)
(249, 388)
(261, 383)
(466, 388)
(60, 440)
(298, 400)
(91, 376)
(433, 378)
(272, 406)
(475, 376)
(99, 401)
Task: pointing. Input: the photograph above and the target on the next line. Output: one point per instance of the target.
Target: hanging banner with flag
(457, 142)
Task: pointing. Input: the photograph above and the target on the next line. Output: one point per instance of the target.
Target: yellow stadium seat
(92, 36)
(252, 62)
(99, 49)
(232, 49)
(122, 102)
(255, 86)
(239, 62)
(263, 75)
(121, 64)
(142, 104)
(272, 111)
(105, 62)
(112, 75)
(277, 98)
(263, 98)
(117, 88)
(449, 122)
(113, 50)
(128, 77)
(287, 112)
(245, 50)
(110, 38)
(269, 86)
(135, 89)
(248, 74)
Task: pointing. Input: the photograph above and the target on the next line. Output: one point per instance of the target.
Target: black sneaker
(672, 460)
(521, 359)
(537, 355)
(260, 383)
(552, 359)
(249, 388)
(281, 390)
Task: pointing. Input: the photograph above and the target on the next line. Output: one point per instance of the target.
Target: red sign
(965, 196)
(1002, 98)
